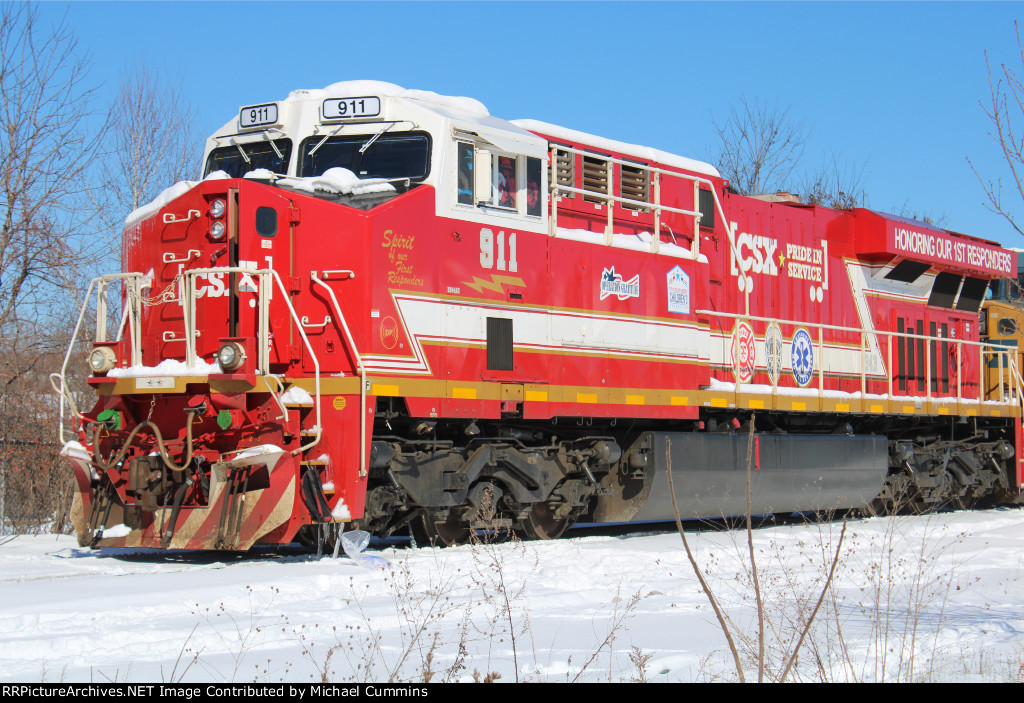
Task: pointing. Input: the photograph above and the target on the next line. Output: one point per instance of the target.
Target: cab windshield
(238, 160)
(1007, 289)
(391, 156)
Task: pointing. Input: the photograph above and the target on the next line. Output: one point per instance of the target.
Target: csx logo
(215, 286)
(756, 254)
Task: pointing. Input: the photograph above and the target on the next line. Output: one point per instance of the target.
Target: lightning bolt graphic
(495, 284)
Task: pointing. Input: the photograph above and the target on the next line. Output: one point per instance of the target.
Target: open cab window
(494, 180)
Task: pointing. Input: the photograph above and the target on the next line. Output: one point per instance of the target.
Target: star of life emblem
(802, 357)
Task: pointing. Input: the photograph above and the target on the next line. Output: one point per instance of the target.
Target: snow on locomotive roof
(466, 113)
(643, 152)
(463, 106)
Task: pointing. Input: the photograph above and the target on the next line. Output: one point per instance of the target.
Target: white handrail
(993, 350)
(555, 188)
(100, 283)
(360, 369)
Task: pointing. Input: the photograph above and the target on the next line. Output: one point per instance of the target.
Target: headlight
(102, 359)
(231, 356)
(217, 229)
(217, 209)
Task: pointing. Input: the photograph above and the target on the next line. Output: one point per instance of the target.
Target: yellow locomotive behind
(1002, 322)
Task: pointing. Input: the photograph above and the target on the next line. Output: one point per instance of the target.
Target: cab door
(265, 236)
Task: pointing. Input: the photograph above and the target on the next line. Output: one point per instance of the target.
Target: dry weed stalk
(509, 615)
(788, 632)
(425, 614)
(619, 618)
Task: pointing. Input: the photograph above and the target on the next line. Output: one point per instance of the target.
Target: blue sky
(891, 89)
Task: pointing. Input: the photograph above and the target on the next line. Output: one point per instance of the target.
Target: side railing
(1010, 384)
(655, 176)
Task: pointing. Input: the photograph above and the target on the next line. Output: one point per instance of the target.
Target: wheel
(541, 523)
(449, 533)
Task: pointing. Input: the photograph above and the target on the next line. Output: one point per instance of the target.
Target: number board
(258, 115)
(348, 108)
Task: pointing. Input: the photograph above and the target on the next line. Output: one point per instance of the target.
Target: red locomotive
(388, 308)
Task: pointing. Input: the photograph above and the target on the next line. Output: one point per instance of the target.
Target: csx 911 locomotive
(388, 309)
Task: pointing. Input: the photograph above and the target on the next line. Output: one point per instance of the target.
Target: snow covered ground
(934, 598)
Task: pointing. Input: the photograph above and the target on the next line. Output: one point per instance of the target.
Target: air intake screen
(499, 344)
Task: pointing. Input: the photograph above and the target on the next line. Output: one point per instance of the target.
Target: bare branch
(47, 147)
(705, 587)
(152, 145)
(759, 147)
(1005, 112)
(835, 184)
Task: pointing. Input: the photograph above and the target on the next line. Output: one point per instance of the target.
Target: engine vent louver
(565, 172)
(635, 185)
(595, 179)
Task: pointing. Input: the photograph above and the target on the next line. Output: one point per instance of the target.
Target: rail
(655, 175)
(1011, 388)
(130, 314)
(350, 341)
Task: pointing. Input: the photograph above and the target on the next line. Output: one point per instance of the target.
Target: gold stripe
(419, 387)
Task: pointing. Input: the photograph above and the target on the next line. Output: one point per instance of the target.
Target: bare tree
(926, 216)
(1005, 111)
(760, 146)
(153, 143)
(47, 147)
(835, 184)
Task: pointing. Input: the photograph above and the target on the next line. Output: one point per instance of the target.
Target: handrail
(263, 350)
(188, 287)
(100, 282)
(985, 348)
(360, 369)
(275, 393)
(744, 282)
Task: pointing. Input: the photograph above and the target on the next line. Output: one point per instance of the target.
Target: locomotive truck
(387, 309)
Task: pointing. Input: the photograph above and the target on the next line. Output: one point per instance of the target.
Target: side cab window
(498, 180)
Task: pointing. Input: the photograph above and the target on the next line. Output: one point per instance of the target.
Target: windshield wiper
(325, 138)
(241, 151)
(371, 140)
